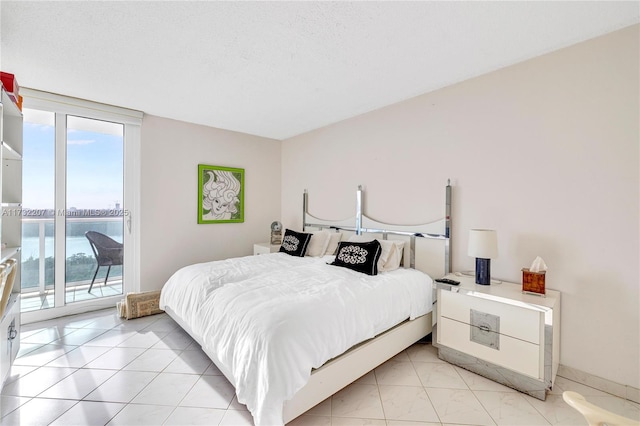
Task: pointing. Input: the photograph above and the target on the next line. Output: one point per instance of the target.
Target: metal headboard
(438, 230)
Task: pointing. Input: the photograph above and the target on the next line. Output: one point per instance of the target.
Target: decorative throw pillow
(295, 243)
(387, 249)
(360, 257)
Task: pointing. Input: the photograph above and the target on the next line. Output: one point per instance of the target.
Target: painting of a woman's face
(220, 195)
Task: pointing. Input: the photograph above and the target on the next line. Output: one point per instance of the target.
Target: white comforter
(270, 319)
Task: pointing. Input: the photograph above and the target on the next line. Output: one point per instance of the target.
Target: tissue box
(533, 282)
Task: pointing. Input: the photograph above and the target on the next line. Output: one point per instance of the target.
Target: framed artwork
(220, 194)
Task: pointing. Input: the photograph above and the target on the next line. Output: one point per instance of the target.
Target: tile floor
(96, 369)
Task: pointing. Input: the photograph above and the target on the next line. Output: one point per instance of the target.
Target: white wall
(545, 151)
(170, 235)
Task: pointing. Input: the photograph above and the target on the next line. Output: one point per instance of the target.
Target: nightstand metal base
(510, 378)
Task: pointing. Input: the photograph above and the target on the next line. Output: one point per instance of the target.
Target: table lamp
(483, 245)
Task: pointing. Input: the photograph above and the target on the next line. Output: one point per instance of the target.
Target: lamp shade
(483, 243)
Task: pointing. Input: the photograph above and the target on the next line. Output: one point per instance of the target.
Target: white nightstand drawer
(515, 321)
(514, 354)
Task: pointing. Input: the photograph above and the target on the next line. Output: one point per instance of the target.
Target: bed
(290, 331)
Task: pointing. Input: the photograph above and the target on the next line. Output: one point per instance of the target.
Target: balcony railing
(38, 255)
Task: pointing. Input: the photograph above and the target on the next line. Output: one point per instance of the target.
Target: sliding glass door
(38, 211)
(76, 217)
(94, 209)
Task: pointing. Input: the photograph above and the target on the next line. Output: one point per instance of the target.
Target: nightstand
(500, 333)
(265, 248)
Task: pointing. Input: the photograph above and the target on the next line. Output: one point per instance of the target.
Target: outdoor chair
(107, 251)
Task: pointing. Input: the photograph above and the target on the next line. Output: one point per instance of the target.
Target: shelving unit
(10, 225)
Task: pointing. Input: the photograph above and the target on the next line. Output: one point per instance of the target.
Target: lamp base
(483, 271)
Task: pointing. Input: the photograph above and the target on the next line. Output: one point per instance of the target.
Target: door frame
(132, 121)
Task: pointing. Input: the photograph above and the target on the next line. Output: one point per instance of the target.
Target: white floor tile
(141, 415)
(235, 405)
(556, 411)
(510, 409)
(176, 339)
(18, 371)
(37, 381)
(153, 360)
(310, 420)
(367, 379)
(360, 401)
(347, 421)
(26, 348)
(209, 392)
(165, 324)
(79, 336)
(47, 335)
(616, 405)
(111, 338)
(458, 406)
(397, 373)
(189, 362)
(143, 339)
(89, 413)
(407, 403)
(43, 355)
(9, 403)
(122, 386)
(436, 375)
(38, 411)
(139, 323)
(479, 383)
(78, 384)
(423, 353)
(236, 418)
(115, 358)
(194, 416)
(166, 389)
(106, 322)
(212, 370)
(78, 357)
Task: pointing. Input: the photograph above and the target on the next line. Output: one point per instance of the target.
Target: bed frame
(343, 370)
(359, 360)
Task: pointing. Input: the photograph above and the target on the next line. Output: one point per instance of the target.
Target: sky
(94, 162)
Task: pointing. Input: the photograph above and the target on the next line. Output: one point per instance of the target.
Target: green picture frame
(220, 194)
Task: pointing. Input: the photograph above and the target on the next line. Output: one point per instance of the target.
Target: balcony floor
(33, 300)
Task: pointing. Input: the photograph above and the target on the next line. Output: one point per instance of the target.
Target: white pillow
(334, 240)
(318, 244)
(391, 256)
(395, 256)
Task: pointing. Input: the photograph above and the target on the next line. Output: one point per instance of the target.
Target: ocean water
(76, 242)
(74, 245)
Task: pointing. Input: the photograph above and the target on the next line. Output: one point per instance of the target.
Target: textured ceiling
(278, 69)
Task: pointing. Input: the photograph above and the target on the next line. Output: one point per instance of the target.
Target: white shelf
(9, 106)
(8, 253)
(13, 298)
(11, 135)
(8, 153)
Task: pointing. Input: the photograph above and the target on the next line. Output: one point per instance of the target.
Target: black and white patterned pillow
(295, 243)
(361, 257)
